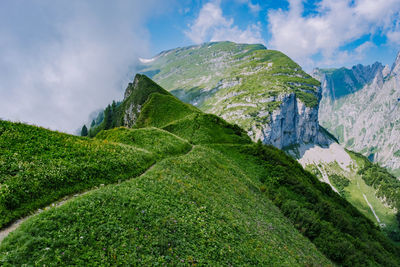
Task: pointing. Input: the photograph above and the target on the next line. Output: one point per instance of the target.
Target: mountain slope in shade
(366, 120)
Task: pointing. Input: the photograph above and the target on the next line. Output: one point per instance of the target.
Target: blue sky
(62, 60)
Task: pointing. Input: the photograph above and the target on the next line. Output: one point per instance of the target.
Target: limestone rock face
(368, 120)
(261, 90)
(135, 96)
(132, 109)
(292, 123)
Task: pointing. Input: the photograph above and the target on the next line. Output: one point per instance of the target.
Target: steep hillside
(261, 90)
(369, 187)
(38, 166)
(206, 77)
(212, 197)
(365, 119)
(337, 83)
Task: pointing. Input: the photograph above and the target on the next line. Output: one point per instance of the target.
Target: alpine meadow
(260, 135)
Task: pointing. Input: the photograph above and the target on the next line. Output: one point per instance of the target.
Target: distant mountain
(261, 90)
(337, 83)
(361, 107)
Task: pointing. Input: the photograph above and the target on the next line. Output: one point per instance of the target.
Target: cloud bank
(61, 60)
(335, 24)
(211, 25)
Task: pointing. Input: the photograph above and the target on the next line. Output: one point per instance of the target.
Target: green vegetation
(397, 153)
(84, 131)
(159, 142)
(38, 166)
(339, 182)
(382, 190)
(328, 220)
(124, 113)
(211, 197)
(197, 209)
(387, 185)
(160, 110)
(234, 81)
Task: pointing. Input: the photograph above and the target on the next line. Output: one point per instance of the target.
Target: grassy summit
(239, 82)
(210, 197)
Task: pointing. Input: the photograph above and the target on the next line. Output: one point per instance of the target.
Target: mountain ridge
(366, 120)
(226, 201)
(229, 80)
(271, 112)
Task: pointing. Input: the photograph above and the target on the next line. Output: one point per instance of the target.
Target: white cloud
(394, 37)
(255, 8)
(71, 62)
(211, 25)
(337, 23)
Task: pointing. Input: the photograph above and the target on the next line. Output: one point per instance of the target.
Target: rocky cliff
(366, 120)
(261, 90)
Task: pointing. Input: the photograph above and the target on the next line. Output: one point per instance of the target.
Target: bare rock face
(292, 123)
(132, 109)
(135, 96)
(263, 91)
(367, 120)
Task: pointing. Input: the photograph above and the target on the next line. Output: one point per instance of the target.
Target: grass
(198, 208)
(169, 108)
(383, 202)
(39, 166)
(161, 143)
(212, 197)
(201, 75)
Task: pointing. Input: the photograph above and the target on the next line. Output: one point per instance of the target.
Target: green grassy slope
(223, 201)
(38, 166)
(160, 142)
(192, 209)
(336, 227)
(369, 187)
(136, 94)
(239, 82)
(173, 115)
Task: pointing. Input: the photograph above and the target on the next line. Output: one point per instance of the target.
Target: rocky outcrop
(346, 81)
(131, 108)
(263, 91)
(368, 120)
(292, 123)
(136, 94)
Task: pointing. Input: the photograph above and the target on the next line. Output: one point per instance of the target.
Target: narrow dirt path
(6, 231)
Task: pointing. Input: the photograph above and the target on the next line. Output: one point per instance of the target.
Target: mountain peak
(141, 87)
(396, 65)
(245, 84)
